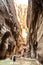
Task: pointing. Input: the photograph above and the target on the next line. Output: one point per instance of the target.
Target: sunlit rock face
(21, 11)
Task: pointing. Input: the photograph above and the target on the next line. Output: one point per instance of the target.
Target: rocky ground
(20, 61)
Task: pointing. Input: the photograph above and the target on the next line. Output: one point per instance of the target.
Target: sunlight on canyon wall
(21, 10)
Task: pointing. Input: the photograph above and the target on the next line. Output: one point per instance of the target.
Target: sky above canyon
(21, 2)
